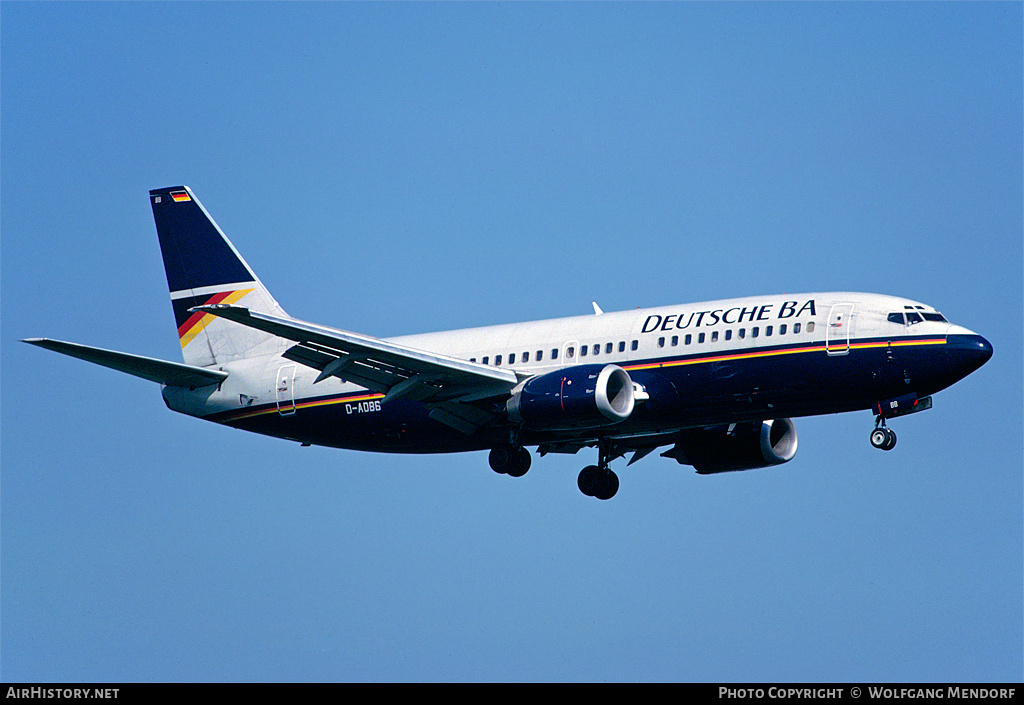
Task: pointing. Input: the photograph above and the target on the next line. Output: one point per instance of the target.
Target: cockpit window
(914, 317)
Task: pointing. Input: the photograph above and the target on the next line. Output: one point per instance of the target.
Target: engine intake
(744, 446)
(584, 396)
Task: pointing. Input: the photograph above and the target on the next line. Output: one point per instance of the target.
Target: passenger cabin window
(597, 348)
(714, 336)
(634, 345)
(767, 330)
(796, 327)
(743, 333)
(485, 359)
(728, 334)
(622, 346)
(661, 342)
(753, 332)
(810, 326)
(554, 354)
(675, 340)
(608, 348)
(497, 359)
(583, 350)
(511, 358)
(569, 352)
(782, 329)
(526, 357)
(688, 339)
(700, 338)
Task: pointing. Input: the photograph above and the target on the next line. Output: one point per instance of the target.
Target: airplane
(717, 383)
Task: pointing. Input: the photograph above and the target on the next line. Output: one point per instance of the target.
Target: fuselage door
(286, 390)
(570, 352)
(839, 329)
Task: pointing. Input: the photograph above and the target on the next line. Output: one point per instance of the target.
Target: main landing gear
(594, 480)
(598, 480)
(510, 459)
(883, 438)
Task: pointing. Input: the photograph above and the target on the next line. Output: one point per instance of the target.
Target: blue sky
(401, 168)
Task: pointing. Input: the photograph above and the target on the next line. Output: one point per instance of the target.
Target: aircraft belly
(357, 422)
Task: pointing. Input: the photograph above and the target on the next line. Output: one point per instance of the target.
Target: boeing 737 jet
(716, 383)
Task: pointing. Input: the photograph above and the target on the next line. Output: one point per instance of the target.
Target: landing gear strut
(599, 480)
(882, 437)
(510, 459)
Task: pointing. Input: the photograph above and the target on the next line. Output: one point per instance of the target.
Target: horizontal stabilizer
(173, 373)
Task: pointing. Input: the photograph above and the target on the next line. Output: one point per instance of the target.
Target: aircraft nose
(966, 353)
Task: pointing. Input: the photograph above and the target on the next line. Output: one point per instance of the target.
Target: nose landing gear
(883, 438)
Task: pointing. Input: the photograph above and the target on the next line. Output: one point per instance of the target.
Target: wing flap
(374, 363)
(461, 417)
(176, 374)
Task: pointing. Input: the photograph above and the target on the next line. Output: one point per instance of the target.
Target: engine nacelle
(584, 396)
(743, 446)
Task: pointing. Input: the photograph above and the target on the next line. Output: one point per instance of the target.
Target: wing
(173, 373)
(399, 372)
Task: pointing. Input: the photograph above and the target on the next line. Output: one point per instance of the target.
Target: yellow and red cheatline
(199, 320)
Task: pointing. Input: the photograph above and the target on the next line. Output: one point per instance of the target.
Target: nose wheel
(883, 438)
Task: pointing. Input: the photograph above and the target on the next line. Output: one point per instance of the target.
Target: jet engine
(742, 446)
(584, 396)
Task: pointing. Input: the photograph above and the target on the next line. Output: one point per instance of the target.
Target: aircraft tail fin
(203, 268)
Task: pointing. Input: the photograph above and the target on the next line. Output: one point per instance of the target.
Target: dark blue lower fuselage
(685, 390)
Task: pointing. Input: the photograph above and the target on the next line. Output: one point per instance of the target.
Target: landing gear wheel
(890, 442)
(883, 438)
(879, 437)
(598, 482)
(609, 487)
(521, 463)
(500, 459)
(589, 480)
(509, 460)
